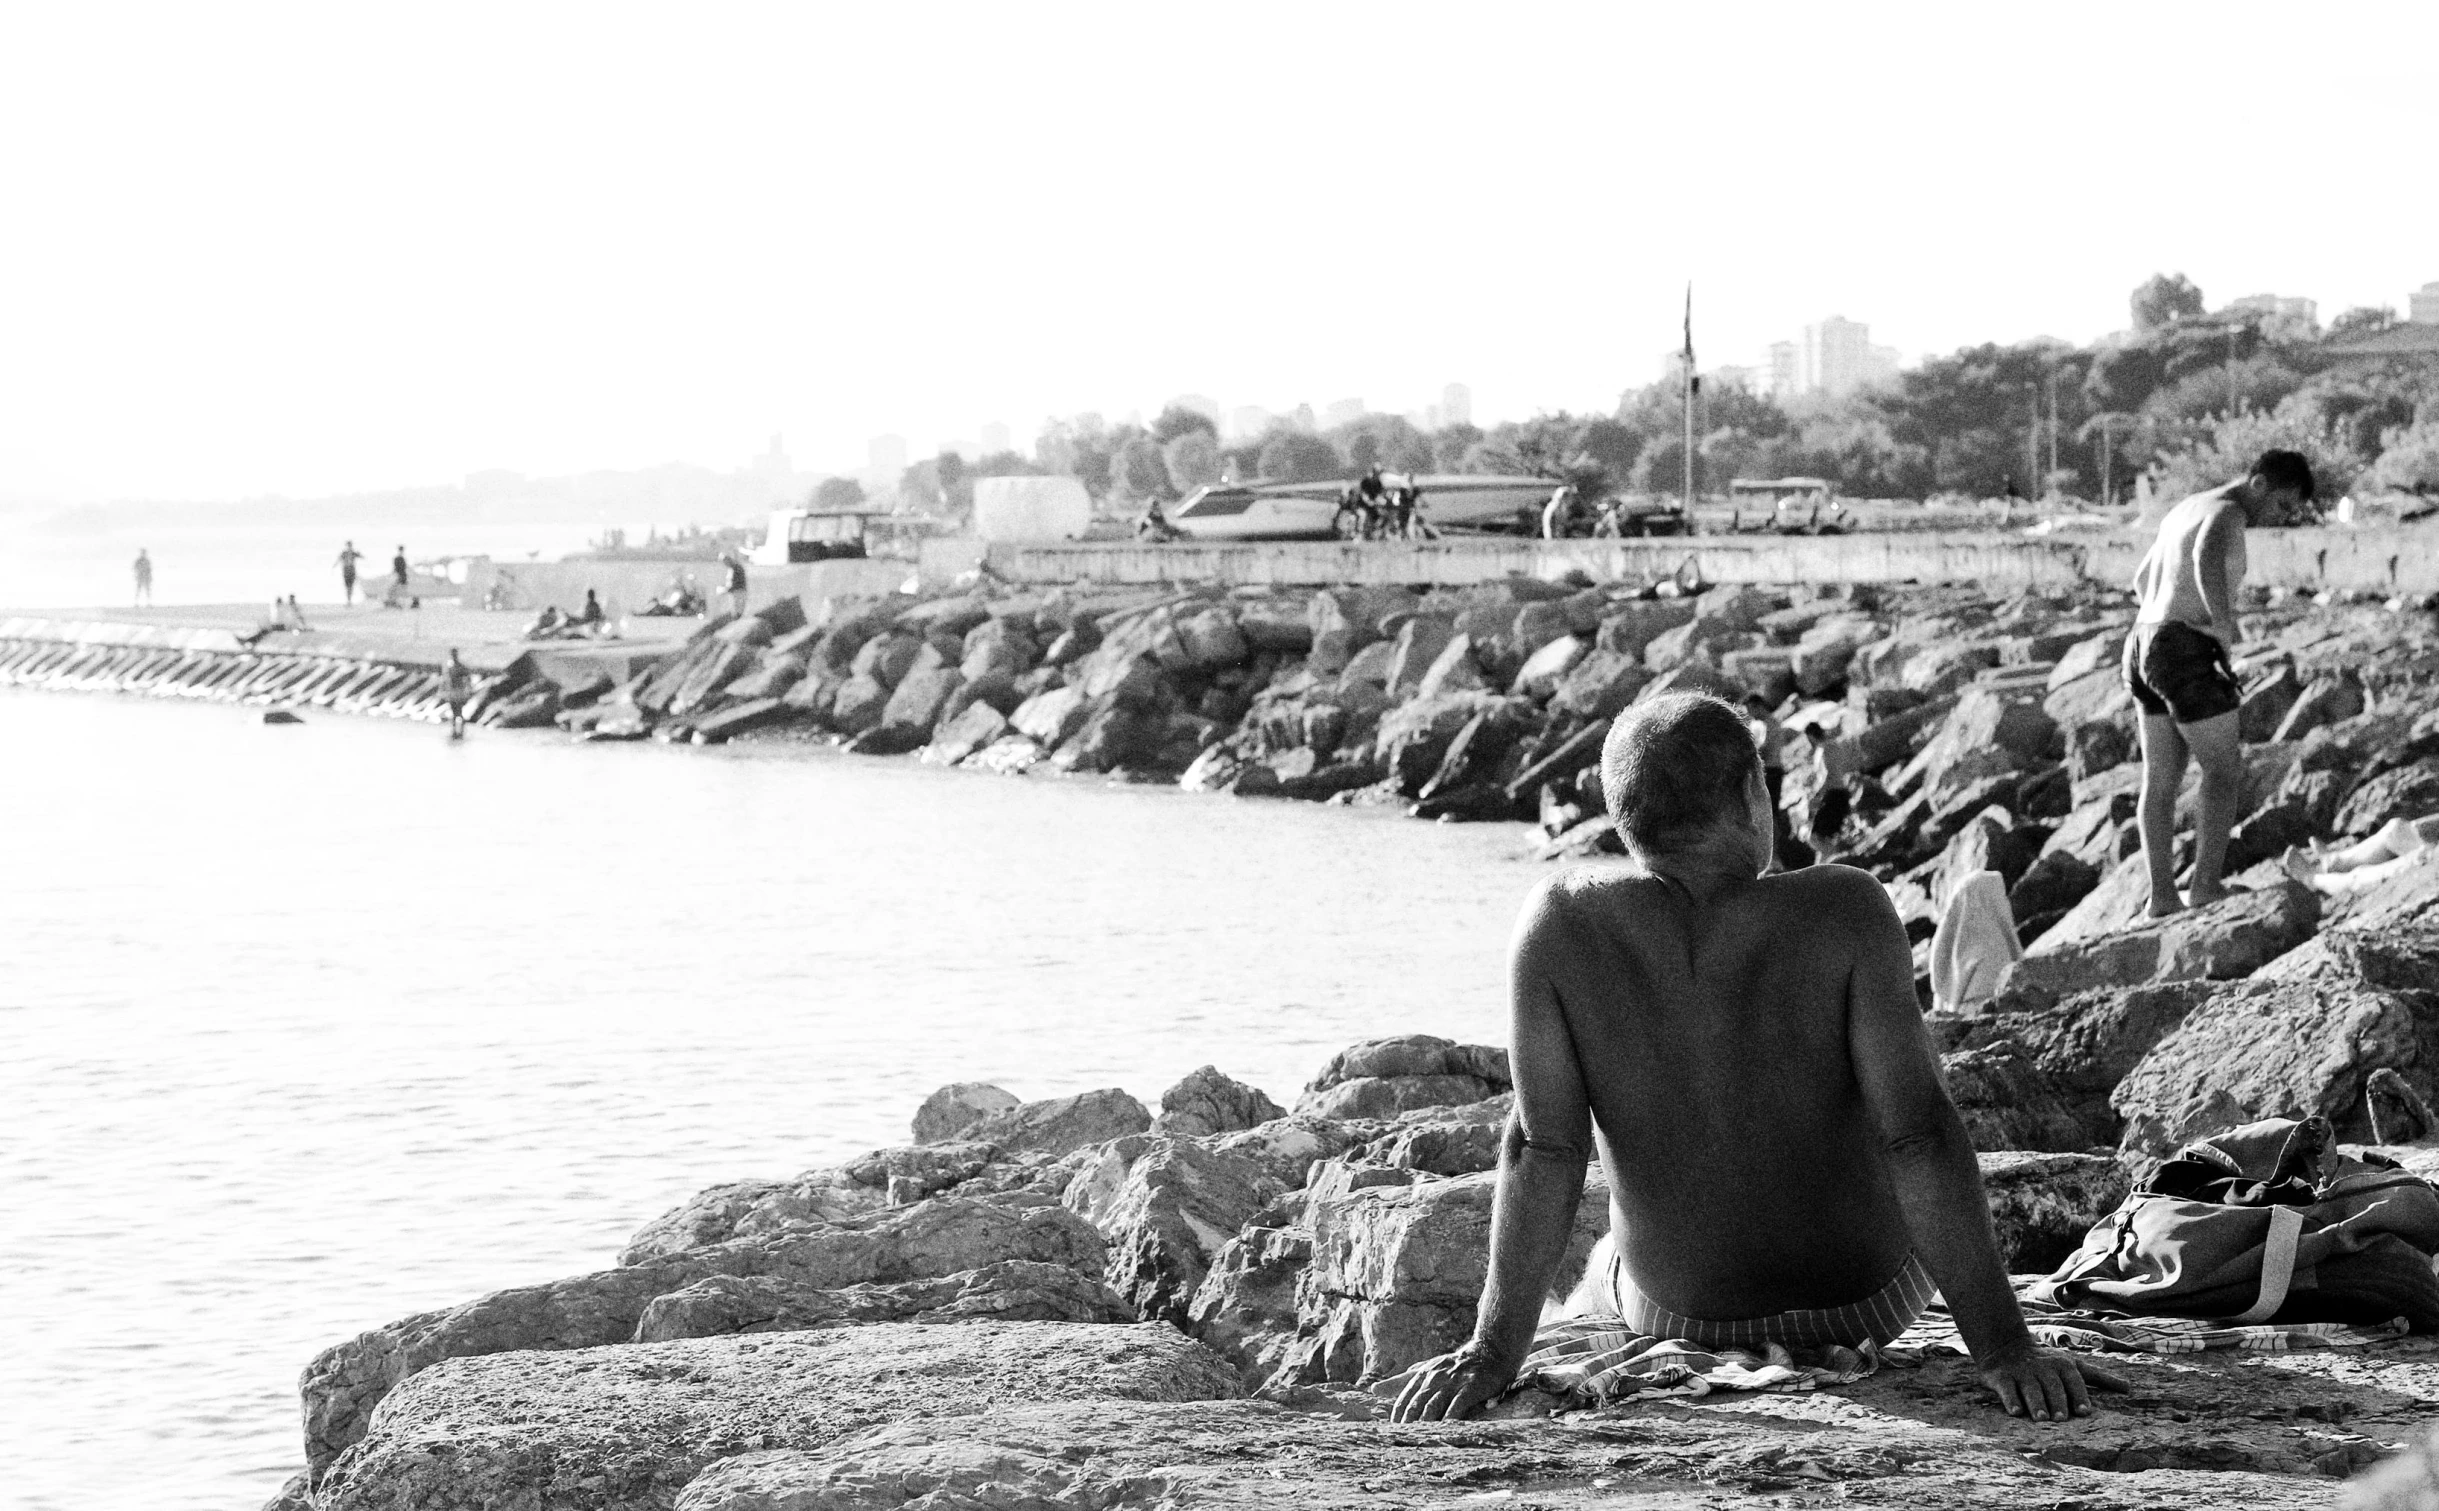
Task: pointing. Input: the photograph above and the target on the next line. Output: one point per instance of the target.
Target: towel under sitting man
(1784, 1164)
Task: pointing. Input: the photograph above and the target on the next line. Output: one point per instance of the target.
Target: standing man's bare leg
(2216, 750)
(2155, 811)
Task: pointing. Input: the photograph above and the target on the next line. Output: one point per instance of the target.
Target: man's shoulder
(1849, 893)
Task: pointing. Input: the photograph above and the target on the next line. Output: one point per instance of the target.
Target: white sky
(320, 248)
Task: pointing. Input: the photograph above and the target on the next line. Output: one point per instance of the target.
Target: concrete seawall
(214, 665)
(2379, 561)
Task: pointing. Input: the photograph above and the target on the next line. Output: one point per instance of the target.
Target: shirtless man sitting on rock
(1784, 1164)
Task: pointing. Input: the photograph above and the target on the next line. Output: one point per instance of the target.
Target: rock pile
(1093, 1252)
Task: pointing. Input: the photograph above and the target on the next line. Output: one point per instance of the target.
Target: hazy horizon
(286, 251)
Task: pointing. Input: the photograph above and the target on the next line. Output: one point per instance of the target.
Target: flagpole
(1689, 405)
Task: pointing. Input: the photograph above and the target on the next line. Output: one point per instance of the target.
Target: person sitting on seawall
(1746, 1054)
(2342, 870)
(590, 616)
(2176, 665)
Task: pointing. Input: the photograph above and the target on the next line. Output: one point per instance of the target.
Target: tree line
(2186, 394)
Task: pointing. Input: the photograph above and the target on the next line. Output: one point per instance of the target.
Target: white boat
(1310, 511)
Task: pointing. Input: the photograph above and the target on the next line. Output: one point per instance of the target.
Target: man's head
(2279, 489)
(1684, 782)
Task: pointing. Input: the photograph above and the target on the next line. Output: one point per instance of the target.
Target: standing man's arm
(1541, 1179)
(1938, 1180)
(2220, 543)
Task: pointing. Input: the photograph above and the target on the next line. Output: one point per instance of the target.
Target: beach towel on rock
(2093, 1331)
(1599, 1361)
(1974, 943)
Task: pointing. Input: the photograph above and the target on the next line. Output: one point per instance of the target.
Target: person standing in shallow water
(348, 557)
(456, 686)
(2177, 665)
(143, 577)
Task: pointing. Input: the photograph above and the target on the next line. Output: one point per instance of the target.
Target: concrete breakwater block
(280, 716)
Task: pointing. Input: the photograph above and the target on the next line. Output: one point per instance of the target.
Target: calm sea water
(303, 1029)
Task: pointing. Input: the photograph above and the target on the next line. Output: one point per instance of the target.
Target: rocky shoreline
(1079, 1302)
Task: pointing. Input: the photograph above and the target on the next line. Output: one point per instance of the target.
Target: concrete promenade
(2399, 560)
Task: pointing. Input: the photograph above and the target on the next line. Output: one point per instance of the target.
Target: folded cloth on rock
(1599, 1361)
(2120, 1332)
(1974, 943)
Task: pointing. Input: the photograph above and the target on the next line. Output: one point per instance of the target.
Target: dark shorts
(2178, 672)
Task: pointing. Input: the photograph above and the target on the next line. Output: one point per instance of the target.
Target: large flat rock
(2253, 1433)
(625, 1429)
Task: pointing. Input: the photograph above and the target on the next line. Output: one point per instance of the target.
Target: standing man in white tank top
(2177, 666)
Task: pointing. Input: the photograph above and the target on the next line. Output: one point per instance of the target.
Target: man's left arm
(2219, 570)
(1542, 1157)
(1938, 1180)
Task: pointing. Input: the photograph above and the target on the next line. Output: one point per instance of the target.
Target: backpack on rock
(2265, 1223)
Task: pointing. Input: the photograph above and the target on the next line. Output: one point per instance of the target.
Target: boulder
(1987, 723)
(2096, 747)
(1207, 1101)
(625, 1429)
(1702, 642)
(1546, 668)
(2213, 1432)
(1396, 1272)
(705, 1218)
(1692, 679)
(1051, 718)
(885, 658)
(2226, 940)
(1766, 672)
(859, 704)
(1599, 685)
(2324, 701)
(2007, 1102)
(1166, 1205)
(1246, 1306)
(2268, 697)
(1372, 664)
(2042, 1204)
(1114, 736)
(2407, 792)
(941, 1237)
(1627, 628)
(967, 732)
(1413, 1055)
(2100, 698)
(2276, 1048)
(1992, 840)
(1062, 1124)
(2053, 883)
(947, 1113)
(738, 718)
(1210, 638)
(1015, 1290)
(1420, 640)
(2094, 653)
(1453, 671)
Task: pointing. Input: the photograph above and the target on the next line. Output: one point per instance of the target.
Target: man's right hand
(1450, 1386)
(2045, 1385)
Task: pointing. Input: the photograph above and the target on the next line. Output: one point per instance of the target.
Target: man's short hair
(1675, 769)
(2285, 469)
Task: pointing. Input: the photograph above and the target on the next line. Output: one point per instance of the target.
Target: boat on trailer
(1460, 501)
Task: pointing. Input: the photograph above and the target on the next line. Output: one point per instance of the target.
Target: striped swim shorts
(1879, 1317)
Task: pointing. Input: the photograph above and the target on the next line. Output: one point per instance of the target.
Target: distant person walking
(143, 577)
(735, 585)
(398, 570)
(456, 686)
(348, 557)
(2178, 669)
(296, 614)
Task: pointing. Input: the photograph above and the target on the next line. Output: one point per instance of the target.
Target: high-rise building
(1786, 370)
(994, 438)
(1835, 357)
(1200, 403)
(1342, 412)
(1247, 421)
(1456, 405)
(2423, 305)
(773, 465)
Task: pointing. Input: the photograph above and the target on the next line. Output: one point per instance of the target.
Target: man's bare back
(1713, 1046)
